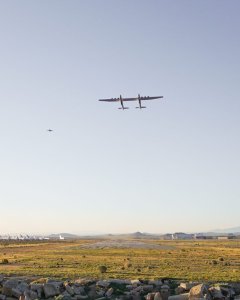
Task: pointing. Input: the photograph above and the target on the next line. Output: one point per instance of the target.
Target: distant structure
(181, 236)
(22, 237)
(226, 237)
(61, 237)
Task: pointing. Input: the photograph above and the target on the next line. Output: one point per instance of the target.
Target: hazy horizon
(92, 233)
(171, 167)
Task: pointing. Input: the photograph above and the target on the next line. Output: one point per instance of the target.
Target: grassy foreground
(187, 260)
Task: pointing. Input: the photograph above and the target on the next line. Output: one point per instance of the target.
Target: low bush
(5, 261)
(102, 269)
(221, 259)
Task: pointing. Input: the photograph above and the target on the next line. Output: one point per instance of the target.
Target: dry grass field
(210, 260)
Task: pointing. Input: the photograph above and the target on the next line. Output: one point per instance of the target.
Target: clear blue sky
(171, 167)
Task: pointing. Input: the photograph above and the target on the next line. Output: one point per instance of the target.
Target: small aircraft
(49, 130)
(139, 99)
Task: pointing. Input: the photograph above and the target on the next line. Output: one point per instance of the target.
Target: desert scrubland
(210, 260)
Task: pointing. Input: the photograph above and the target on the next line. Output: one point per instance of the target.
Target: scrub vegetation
(210, 260)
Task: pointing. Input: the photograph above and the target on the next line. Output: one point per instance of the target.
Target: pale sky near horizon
(171, 167)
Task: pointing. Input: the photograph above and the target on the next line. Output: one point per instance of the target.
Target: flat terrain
(211, 260)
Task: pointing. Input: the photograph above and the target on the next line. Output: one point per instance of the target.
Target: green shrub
(5, 261)
(102, 269)
(221, 259)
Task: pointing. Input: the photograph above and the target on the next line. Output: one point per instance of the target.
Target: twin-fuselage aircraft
(139, 99)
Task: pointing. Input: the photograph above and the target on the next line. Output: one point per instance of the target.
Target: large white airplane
(139, 99)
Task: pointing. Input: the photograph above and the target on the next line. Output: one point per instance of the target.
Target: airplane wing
(129, 99)
(118, 99)
(110, 100)
(150, 98)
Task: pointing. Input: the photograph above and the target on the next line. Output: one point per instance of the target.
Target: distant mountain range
(135, 235)
(140, 235)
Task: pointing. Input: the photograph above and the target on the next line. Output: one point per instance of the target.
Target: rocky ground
(12, 288)
(125, 244)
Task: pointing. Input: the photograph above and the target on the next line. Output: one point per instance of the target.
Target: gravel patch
(125, 244)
